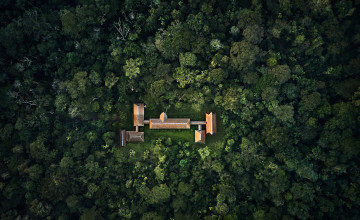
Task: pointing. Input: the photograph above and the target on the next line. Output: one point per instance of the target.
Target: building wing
(211, 123)
(139, 114)
(170, 123)
(200, 136)
(134, 136)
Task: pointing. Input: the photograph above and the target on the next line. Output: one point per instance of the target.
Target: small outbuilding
(134, 136)
(200, 136)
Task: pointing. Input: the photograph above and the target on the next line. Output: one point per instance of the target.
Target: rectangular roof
(170, 123)
(134, 136)
(211, 123)
(200, 136)
(138, 114)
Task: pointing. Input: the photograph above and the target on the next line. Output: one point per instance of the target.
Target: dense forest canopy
(283, 77)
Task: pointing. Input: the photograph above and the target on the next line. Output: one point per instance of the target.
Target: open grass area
(185, 135)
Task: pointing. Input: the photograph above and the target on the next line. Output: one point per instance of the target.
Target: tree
(184, 76)
(281, 73)
(111, 80)
(132, 67)
(310, 102)
(204, 152)
(253, 34)
(80, 148)
(72, 202)
(159, 194)
(184, 189)
(216, 76)
(159, 173)
(39, 151)
(229, 100)
(195, 22)
(187, 59)
(269, 94)
(69, 22)
(243, 55)
(40, 208)
(173, 40)
(34, 172)
(284, 113)
(66, 163)
(78, 85)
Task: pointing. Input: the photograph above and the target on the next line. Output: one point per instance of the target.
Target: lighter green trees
(132, 67)
(217, 76)
(284, 113)
(111, 80)
(158, 194)
(78, 85)
(281, 73)
(187, 59)
(184, 76)
(229, 100)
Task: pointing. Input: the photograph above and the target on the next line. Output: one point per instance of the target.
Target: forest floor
(186, 135)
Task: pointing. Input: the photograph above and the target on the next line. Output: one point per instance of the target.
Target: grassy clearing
(176, 135)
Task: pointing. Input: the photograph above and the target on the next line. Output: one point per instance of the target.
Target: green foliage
(184, 76)
(269, 94)
(229, 100)
(72, 202)
(66, 163)
(204, 152)
(95, 77)
(34, 172)
(111, 80)
(132, 67)
(40, 209)
(281, 76)
(80, 148)
(281, 73)
(215, 44)
(173, 40)
(195, 22)
(69, 23)
(159, 173)
(271, 62)
(243, 55)
(187, 59)
(253, 34)
(284, 113)
(159, 194)
(184, 189)
(310, 102)
(78, 85)
(61, 102)
(217, 76)
(39, 151)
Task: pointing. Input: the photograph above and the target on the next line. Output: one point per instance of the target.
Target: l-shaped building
(163, 122)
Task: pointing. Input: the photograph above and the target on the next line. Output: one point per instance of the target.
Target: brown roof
(211, 123)
(200, 136)
(138, 114)
(170, 123)
(122, 138)
(134, 136)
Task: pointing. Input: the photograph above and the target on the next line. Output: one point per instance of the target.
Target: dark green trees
(282, 77)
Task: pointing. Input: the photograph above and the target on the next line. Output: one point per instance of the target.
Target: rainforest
(282, 77)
